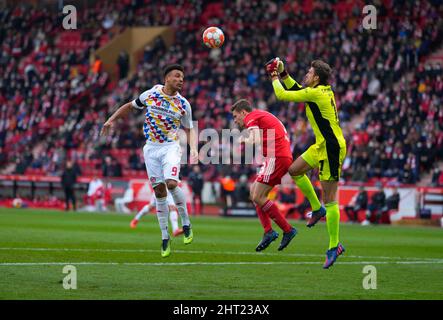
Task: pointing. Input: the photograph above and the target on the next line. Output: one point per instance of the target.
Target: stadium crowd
(55, 100)
(402, 132)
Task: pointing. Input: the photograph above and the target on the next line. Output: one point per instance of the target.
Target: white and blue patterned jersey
(164, 114)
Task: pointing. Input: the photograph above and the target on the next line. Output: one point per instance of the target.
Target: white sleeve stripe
(253, 127)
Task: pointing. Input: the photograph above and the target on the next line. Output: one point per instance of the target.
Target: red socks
(271, 210)
(264, 219)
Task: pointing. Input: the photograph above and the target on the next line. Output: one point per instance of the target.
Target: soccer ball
(17, 203)
(213, 37)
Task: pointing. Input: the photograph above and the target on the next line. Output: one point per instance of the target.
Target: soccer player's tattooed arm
(121, 112)
(302, 95)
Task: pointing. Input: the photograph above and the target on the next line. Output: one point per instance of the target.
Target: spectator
(107, 167)
(393, 201)
(116, 168)
(360, 174)
(358, 202)
(134, 161)
(374, 87)
(68, 181)
(123, 64)
(20, 166)
(95, 197)
(407, 175)
(436, 172)
(76, 169)
(120, 203)
(108, 21)
(227, 191)
(97, 65)
(242, 190)
(195, 181)
(375, 208)
(3, 157)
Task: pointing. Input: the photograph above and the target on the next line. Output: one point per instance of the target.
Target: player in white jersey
(166, 110)
(173, 215)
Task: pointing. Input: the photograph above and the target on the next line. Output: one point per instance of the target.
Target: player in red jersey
(276, 150)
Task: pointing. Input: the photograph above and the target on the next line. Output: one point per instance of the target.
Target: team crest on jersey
(153, 179)
(165, 104)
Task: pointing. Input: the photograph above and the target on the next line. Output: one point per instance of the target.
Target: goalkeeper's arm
(288, 81)
(303, 95)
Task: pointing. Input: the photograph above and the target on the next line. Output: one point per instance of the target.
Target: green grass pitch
(116, 262)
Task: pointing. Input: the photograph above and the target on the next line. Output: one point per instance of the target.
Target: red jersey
(275, 137)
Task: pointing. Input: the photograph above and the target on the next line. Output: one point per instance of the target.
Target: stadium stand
(53, 100)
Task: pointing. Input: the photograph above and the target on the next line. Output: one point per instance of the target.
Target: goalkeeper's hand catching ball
(276, 67)
(272, 67)
(281, 69)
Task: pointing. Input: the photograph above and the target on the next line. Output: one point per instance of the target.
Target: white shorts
(162, 162)
(168, 198)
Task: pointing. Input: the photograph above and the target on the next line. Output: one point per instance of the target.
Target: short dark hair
(171, 67)
(322, 70)
(240, 105)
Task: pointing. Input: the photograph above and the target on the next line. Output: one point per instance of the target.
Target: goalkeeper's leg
(298, 170)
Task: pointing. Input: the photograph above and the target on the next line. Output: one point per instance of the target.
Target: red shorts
(273, 169)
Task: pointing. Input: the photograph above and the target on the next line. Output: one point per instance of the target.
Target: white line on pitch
(214, 252)
(147, 264)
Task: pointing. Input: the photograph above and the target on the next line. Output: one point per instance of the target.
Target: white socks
(162, 216)
(180, 202)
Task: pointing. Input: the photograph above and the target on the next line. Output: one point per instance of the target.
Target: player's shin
(265, 220)
(271, 209)
(332, 223)
(180, 202)
(162, 216)
(307, 189)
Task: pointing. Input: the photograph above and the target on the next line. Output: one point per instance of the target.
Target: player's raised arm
(288, 81)
(120, 113)
(123, 112)
(301, 95)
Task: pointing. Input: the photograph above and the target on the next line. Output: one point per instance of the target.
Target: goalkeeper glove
(281, 69)
(272, 67)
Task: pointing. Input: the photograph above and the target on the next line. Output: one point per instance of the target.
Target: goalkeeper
(329, 149)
